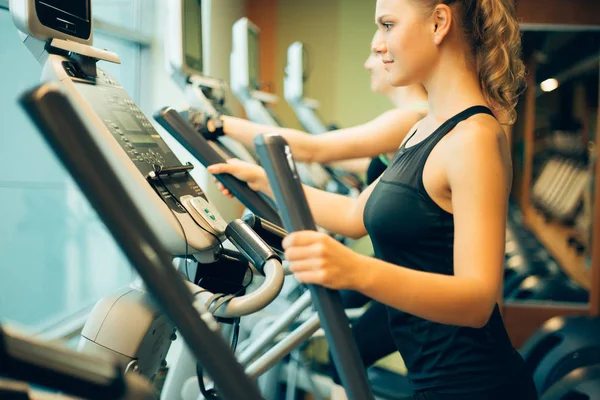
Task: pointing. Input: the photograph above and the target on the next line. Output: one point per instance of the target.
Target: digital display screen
(127, 121)
(76, 8)
(141, 139)
(192, 34)
(253, 60)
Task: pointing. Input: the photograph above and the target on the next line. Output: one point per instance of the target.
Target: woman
(381, 135)
(437, 215)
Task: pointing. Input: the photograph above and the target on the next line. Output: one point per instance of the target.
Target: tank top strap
(422, 154)
(468, 113)
(447, 126)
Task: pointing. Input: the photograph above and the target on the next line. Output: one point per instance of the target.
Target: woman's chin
(398, 80)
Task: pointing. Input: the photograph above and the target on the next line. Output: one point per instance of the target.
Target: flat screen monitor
(295, 72)
(72, 17)
(192, 35)
(253, 59)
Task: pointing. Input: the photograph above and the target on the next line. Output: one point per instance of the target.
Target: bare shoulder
(478, 146)
(480, 134)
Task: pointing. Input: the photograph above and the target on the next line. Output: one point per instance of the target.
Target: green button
(207, 211)
(213, 218)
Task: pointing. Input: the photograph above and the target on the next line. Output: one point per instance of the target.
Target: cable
(157, 168)
(210, 393)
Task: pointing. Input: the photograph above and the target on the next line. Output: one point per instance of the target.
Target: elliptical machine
(73, 142)
(245, 86)
(293, 90)
(128, 325)
(70, 138)
(187, 24)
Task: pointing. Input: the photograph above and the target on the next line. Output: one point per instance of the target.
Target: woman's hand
(252, 174)
(317, 258)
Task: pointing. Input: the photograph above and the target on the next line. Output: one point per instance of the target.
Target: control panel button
(200, 208)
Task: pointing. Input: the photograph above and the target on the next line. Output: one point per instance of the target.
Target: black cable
(210, 393)
(157, 169)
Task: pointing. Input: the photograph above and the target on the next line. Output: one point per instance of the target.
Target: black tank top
(409, 229)
(376, 168)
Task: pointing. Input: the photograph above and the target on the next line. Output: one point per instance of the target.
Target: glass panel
(56, 257)
(117, 12)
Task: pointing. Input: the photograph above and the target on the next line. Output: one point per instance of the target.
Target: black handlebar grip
(250, 244)
(276, 157)
(199, 147)
(269, 232)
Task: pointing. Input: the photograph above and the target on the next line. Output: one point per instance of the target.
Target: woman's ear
(442, 22)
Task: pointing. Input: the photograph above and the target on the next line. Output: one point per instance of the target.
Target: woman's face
(376, 67)
(409, 51)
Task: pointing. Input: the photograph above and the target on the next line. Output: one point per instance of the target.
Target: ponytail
(497, 49)
(492, 28)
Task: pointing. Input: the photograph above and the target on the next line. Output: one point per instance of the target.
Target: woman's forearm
(244, 131)
(451, 300)
(356, 165)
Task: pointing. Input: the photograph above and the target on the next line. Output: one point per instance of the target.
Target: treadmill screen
(192, 34)
(253, 60)
(76, 8)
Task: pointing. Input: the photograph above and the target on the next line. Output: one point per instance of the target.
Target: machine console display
(192, 35)
(68, 16)
(253, 59)
(136, 136)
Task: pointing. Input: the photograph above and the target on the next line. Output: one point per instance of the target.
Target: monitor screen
(253, 60)
(192, 34)
(76, 8)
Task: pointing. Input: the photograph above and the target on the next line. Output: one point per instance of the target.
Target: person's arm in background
(381, 135)
(356, 165)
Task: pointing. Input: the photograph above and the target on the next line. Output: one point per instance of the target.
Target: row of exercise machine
(212, 302)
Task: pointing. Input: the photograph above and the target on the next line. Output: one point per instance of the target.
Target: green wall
(355, 101)
(337, 35)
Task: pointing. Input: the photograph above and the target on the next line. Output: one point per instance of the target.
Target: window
(56, 256)
(123, 13)
(127, 72)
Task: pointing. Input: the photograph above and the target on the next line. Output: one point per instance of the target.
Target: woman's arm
(356, 165)
(479, 181)
(339, 214)
(381, 135)
(336, 213)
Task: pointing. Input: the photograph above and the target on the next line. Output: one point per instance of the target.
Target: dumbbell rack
(522, 319)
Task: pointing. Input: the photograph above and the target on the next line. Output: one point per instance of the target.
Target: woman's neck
(452, 86)
(408, 96)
